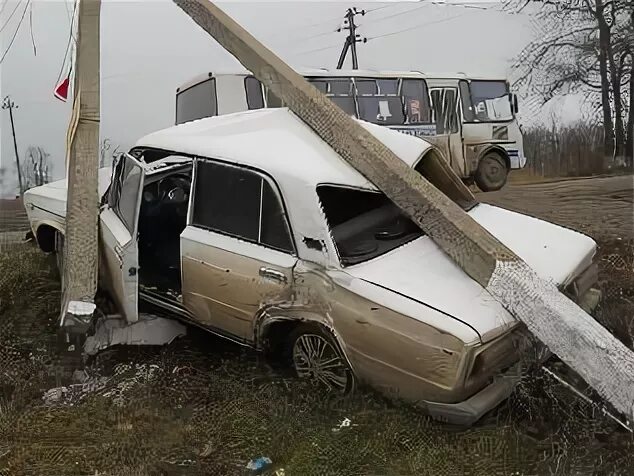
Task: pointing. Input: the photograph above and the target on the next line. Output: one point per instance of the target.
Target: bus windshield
(489, 101)
(197, 102)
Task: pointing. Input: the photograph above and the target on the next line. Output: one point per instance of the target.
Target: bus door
(445, 106)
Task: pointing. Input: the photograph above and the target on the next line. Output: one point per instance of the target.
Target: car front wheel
(316, 356)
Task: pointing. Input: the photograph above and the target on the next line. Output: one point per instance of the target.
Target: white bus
(472, 121)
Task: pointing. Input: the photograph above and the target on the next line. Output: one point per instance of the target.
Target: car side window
(126, 194)
(115, 182)
(241, 203)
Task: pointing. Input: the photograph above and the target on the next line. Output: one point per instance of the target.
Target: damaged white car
(251, 226)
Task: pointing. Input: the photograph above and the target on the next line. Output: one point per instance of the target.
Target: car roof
(279, 143)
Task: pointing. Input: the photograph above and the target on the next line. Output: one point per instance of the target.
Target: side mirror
(514, 105)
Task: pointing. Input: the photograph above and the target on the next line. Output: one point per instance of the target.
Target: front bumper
(475, 407)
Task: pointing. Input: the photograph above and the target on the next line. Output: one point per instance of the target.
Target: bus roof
(364, 73)
(321, 72)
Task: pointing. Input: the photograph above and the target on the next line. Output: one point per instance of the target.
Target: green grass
(201, 406)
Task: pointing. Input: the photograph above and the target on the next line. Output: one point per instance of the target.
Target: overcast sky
(150, 47)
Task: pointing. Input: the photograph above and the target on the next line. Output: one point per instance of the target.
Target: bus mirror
(514, 105)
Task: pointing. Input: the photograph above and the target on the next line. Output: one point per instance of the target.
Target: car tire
(492, 172)
(316, 356)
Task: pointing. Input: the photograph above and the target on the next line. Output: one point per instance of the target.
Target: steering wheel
(174, 189)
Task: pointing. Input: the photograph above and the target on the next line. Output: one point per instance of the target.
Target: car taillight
(582, 283)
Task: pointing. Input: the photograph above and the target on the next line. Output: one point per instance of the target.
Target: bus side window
(437, 106)
(451, 104)
(321, 85)
(467, 106)
(416, 101)
(253, 89)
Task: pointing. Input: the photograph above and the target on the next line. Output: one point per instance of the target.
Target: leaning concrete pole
(604, 362)
(79, 281)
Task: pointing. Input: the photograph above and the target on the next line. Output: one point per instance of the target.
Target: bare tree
(106, 145)
(583, 46)
(35, 167)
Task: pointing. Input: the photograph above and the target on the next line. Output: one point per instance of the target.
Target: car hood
(51, 197)
(421, 271)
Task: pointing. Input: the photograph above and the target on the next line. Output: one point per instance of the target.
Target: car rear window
(364, 224)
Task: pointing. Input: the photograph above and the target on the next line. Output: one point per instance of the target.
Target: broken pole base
(148, 330)
(78, 316)
(574, 336)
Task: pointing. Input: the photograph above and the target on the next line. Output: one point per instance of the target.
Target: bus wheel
(492, 172)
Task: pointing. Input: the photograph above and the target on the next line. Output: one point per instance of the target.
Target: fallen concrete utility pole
(603, 361)
(79, 281)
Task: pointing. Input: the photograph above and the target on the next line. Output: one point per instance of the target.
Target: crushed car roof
(279, 143)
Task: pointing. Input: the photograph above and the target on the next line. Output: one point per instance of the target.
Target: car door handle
(273, 274)
(118, 252)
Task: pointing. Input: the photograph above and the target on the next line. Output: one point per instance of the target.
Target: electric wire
(68, 44)
(15, 34)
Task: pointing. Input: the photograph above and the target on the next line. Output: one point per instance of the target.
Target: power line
(456, 4)
(67, 10)
(322, 22)
(380, 8)
(10, 16)
(31, 29)
(418, 7)
(16, 32)
(317, 35)
(319, 49)
(415, 27)
(70, 38)
(330, 22)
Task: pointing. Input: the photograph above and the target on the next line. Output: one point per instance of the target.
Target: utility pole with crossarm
(7, 103)
(352, 39)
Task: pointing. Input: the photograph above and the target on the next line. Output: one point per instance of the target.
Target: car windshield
(364, 224)
(490, 101)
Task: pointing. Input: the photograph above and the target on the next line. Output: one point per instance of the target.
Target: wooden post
(82, 206)
(604, 362)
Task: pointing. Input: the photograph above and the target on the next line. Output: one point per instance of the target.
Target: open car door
(118, 222)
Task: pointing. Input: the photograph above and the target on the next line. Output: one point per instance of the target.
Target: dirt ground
(601, 207)
(201, 406)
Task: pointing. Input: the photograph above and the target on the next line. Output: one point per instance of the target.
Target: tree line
(587, 47)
